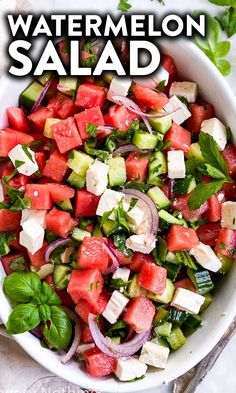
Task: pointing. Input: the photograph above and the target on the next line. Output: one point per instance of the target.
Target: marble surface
(18, 372)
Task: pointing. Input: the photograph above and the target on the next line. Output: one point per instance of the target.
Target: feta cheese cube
(144, 243)
(228, 215)
(97, 178)
(32, 236)
(122, 273)
(161, 75)
(1, 193)
(24, 162)
(115, 307)
(179, 111)
(130, 368)
(154, 355)
(119, 87)
(206, 257)
(176, 164)
(136, 215)
(36, 216)
(187, 300)
(108, 201)
(188, 90)
(217, 130)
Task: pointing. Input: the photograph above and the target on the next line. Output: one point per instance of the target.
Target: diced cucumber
(79, 234)
(61, 276)
(157, 167)
(177, 316)
(166, 296)
(176, 338)
(65, 205)
(184, 186)
(226, 264)
(4, 249)
(47, 127)
(193, 321)
(173, 270)
(161, 124)
(170, 219)
(108, 227)
(195, 152)
(76, 181)
(116, 340)
(67, 85)
(145, 140)
(164, 329)
(134, 290)
(208, 300)
(80, 162)
(97, 231)
(44, 78)
(108, 76)
(158, 197)
(117, 171)
(172, 258)
(201, 280)
(161, 316)
(29, 96)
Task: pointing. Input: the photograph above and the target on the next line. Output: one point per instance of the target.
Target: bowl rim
(124, 387)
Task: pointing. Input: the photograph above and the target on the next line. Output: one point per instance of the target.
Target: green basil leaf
(21, 287)
(59, 331)
(51, 298)
(44, 312)
(214, 172)
(21, 204)
(91, 129)
(23, 318)
(224, 2)
(133, 202)
(222, 49)
(119, 329)
(203, 192)
(7, 178)
(105, 217)
(211, 153)
(224, 66)
(228, 21)
(124, 5)
(27, 152)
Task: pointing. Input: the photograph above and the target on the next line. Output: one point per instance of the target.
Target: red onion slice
(77, 336)
(107, 346)
(52, 246)
(41, 97)
(127, 148)
(115, 261)
(150, 205)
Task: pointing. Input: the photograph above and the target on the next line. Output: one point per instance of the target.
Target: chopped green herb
(143, 187)
(18, 264)
(120, 242)
(228, 20)
(18, 163)
(120, 216)
(160, 87)
(223, 246)
(124, 5)
(100, 154)
(5, 241)
(133, 202)
(119, 329)
(92, 129)
(90, 61)
(27, 152)
(137, 379)
(203, 192)
(7, 178)
(117, 283)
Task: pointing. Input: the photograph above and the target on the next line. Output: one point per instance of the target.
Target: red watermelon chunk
(21, 137)
(200, 112)
(229, 155)
(86, 203)
(17, 181)
(140, 314)
(38, 118)
(85, 284)
(38, 259)
(98, 364)
(123, 260)
(66, 135)
(139, 259)
(86, 335)
(179, 138)
(208, 233)
(181, 204)
(56, 167)
(62, 105)
(59, 222)
(153, 99)
(41, 159)
(9, 220)
(83, 307)
(90, 96)
(180, 238)
(226, 242)
(185, 283)
(40, 198)
(153, 278)
(17, 119)
(213, 214)
(120, 117)
(7, 260)
(89, 116)
(137, 167)
(92, 254)
(60, 192)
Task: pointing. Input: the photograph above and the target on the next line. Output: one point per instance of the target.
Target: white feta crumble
(123, 274)
(144, 243)
(119, 87)
(32, 236)
(154, 355)
(130, 368)
(228, 215)
(217, 130)
(180, 112)
(115, 307)
(97, 178)
(187, 300)
(37, 217)
(176, 164)
(206, 257)
(108, 201)
(23, 158)
(185, 89)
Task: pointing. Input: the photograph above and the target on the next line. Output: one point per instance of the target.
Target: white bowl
(193, 65)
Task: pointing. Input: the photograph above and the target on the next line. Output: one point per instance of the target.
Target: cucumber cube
(157, 167)
(166, 296)
(164, 329)
(76, 181)
(158, 197)
(66, 205)
(30, 95)
(161, 124)
(185, 186)
(61, 276)
(208, 300)
(79, 234)
(44, 78)
(80, 162)
(176, 338)
(144, 140)
(47, 128)
(226, 264)
(134, 289)
(67, 85)
(195, 152)
(97, 231)
(116, 171)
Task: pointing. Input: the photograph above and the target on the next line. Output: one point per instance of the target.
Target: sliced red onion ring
(171, 188)
(52, 246)
(107, 346)
(77, 336)
(115, 261)
(36, 333)
(150, 205)
(106, 128)
(41, 97)
(127, 148)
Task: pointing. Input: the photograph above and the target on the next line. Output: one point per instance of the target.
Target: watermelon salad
(117, 216)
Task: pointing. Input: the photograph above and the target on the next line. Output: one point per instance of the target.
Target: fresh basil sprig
(124, 5)
(36, 303)
(227, 21)
(224, 2)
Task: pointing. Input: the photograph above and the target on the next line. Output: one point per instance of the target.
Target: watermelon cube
(56, 167)
(199, 113)
(9, 220)
(40, 198)
(90, 96)
(86, 203)
(85, 284)
(92, 254)
(41, 159)
(139, 259)
(120, 117)
(213, 214)
(86, 336)
(137, 167)
(7, 260)
(180, 238)
(123, 260)
(59, 222)
(63, 106)
(38, 118)
(181, 204)
(153, 278)
(21, 137)
(226, 242)
(185, 283)
(38, 259)
(83, 307)
(140, 314)
(98, 364)
(60, 192)
(153, 99)
(208, 233)
(179, 138)
(88, 116)
(229, 155)
(17, 119)
(66, 135)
